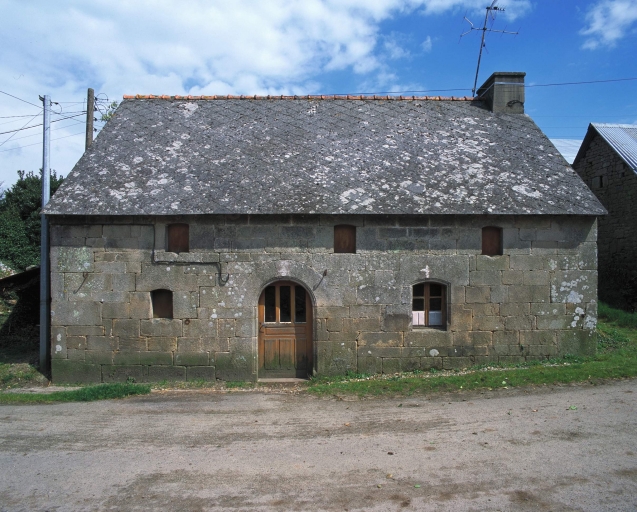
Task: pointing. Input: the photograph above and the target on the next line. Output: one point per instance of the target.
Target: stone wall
(537, 300)
(615, 185)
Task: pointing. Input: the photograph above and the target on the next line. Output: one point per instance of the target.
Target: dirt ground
(566, 448)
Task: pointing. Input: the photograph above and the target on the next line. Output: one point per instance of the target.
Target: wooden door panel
(301, 353)
(276, 330)
(286, 353)
(271, 354)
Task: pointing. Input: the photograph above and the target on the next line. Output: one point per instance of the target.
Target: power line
(38, 143)
(57, 128)
(7, 140)
(20, 99)
(30, 115)
(468, 89)
(7, 117)
(580, 83)
(36, 125)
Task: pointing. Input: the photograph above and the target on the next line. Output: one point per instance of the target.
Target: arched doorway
(285, 331)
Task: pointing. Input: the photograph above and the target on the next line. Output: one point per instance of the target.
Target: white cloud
(608, 21)
(427, 44)
(194, 47)
(394, 46)
(512, 8)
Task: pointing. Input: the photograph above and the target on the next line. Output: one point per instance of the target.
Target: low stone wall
(537, 300)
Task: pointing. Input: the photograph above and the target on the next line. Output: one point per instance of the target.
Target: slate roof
(621, 137)
(346, 155)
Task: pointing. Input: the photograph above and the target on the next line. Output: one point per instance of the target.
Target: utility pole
(45, 295)
(491, 12)
(90, 110)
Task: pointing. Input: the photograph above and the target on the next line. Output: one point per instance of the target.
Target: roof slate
(329, 156)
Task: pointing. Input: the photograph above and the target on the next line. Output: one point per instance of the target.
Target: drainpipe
(45, 299)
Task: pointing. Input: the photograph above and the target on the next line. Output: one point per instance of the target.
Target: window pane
(435, 318)
(418, 305)
(270, 304)
(435, 290)
(419, 290)
(299, 304)
(435, 304)
(285, 304)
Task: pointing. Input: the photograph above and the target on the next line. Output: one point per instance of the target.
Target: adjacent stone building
(607, 162)
(239, 238)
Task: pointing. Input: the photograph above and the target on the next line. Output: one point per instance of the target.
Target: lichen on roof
(168, 155)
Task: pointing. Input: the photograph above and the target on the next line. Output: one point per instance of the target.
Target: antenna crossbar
(490, 12)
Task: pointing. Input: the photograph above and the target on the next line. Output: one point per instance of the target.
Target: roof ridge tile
(359, 97)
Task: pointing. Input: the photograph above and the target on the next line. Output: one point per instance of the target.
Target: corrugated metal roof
(622, 138)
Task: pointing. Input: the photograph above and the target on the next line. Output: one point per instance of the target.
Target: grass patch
(616, 358)
(19, 368)
(618, 317)
(20, 375)
(87, 394)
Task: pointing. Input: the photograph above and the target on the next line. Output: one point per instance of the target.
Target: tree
(20, 220)
(106, 111)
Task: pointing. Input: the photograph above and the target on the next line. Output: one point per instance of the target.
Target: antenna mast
(491, 12)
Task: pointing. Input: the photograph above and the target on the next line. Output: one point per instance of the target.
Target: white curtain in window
(418, 318)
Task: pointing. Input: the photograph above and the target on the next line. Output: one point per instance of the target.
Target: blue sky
(304, 47)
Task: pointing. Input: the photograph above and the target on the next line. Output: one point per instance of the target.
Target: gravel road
(557, 448)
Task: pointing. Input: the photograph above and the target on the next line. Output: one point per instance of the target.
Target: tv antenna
(492, 10)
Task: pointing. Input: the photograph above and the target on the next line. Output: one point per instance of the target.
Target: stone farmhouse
(607, 162)
(244, 238)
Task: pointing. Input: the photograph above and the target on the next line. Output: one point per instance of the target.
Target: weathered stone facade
(615, 185)
(535, 301)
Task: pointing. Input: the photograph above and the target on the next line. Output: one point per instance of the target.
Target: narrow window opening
(492, 241)
(162, 301)
(345, 239)
(270, 304)
(285, 304)
(429, 305)
(177, 238)
(300, 314)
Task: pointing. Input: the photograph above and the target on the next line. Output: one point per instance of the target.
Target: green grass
(616, 358)
(617, 317)
(20, 374)
(86, 394)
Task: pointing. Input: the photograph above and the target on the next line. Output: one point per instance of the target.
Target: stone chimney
(504, 92)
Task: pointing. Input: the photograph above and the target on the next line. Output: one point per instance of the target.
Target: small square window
(429, 305)
(162, 301)
(345, 239)
(177, 238)
(492, 241)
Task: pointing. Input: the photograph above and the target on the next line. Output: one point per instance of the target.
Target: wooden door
(285, 331)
